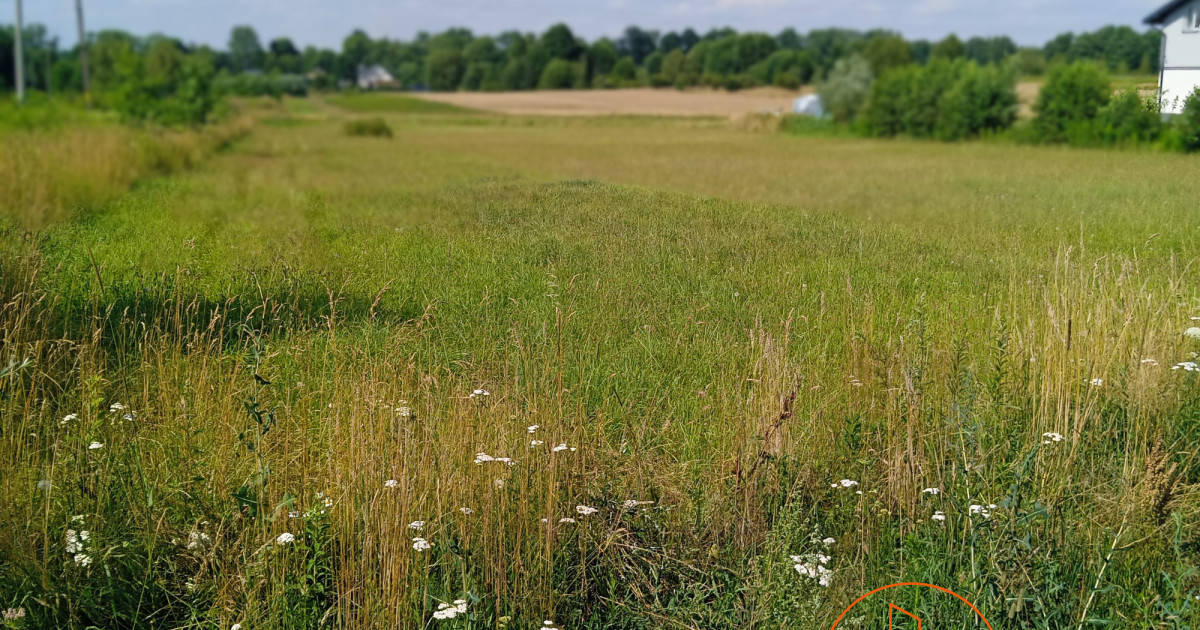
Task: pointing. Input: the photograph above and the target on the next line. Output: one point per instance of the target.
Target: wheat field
(622, 372)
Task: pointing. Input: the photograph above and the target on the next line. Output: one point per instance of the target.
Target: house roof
(1163, 12)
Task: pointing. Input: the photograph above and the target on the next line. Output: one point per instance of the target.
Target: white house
(1179, 22)
(375, 76)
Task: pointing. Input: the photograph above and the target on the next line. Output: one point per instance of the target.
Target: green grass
(723, 323)
(390, 102)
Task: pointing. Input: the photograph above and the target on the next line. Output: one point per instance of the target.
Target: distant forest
(457, 59)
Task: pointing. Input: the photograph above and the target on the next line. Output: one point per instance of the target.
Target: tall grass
(46, 173)
(289, 330)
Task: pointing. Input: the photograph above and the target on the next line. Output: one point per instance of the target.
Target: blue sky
(326, 22)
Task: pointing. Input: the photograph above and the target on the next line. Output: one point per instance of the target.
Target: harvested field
(638, 101)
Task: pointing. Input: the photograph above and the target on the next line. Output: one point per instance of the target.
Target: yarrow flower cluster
(933, 491)
(1052, 437)
(71, 417)
(829, 542)
(13, 614)
(420, 544)
(480, 392)
(939, 516)
(584, 510)
(391, 483)
(1097, 382)
(198, 541)
(533, 428)
(812, 566)
(286, 538)
(633, 504)
(450, 611)
(548, 625)
(483, 458)
(1187, 366)
(95, 446)
(466, 510)
(563, 447)
(845, 483)
(77, 543)
(416, 525)
(984, 511)
(1192, 333)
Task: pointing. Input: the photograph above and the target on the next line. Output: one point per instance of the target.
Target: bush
(847, 87)
(1187, 124)
(373, 127)
(273, 85)
(1127, 120)
(950, 100)
(983, 99)
(1071, 98)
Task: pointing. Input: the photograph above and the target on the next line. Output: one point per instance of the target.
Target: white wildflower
(584, 510)
(480, 392)
(44, 484)
(78, 518)
(533, 443)
(845, 483)
(13, 614)
(285, 538)
(566, 520)
(1052, 437)
(115, 407)
(1187, 366)
(632, 504)
(466, 510)
(1192, 333)
(938, 516)
(82, 559)
(499, 483)
(73, 544)
(420, 544)
(828, 542)
(198, 541)
(403, 412)
(563, 447)
(416, 525)
(236, 626)
(71, 417)
(294, 514)
(1097, 382)
(328, 502)
(533, 428)
(95, 445)
(933, 491)
(483, 457)
(391, 483)
(1150, 362)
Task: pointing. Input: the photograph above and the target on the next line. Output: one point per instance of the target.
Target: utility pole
(83, 56)
(18, 62)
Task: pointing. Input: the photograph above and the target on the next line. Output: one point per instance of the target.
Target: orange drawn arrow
(892, 608)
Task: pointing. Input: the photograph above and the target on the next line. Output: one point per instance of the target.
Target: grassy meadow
(602, 373)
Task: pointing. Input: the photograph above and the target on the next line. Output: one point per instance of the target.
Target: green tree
(282, 56)
(559, 43)
(624, 72)
(847, 87)
(558, 75)
(356, 51)
(887, 52)
(245, 51)
(602, 57)
(446, 69)
(949, 48)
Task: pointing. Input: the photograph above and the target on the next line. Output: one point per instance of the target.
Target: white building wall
(1181, 58)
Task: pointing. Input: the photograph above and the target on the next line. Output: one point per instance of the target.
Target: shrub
(1127, 119)
(1072, 96)
(273, 85)
(982, 99)
(374, 127)
(847, 87)
(1187, 124)
(950, 100)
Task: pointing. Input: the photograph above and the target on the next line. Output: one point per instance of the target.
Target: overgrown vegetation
(277, 391)
(375, 127)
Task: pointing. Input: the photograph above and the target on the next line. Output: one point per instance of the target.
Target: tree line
(457, 59)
